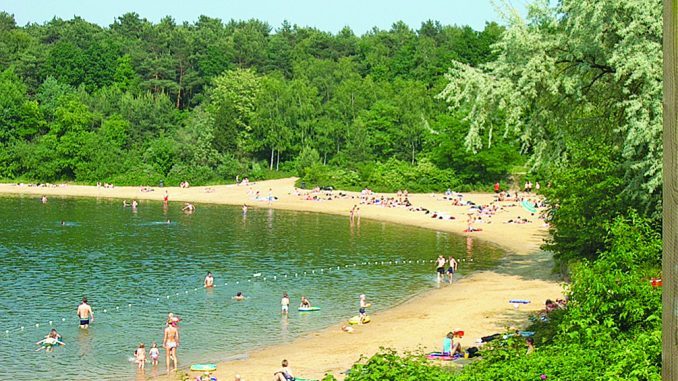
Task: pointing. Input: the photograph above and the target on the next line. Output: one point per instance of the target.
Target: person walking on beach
(170, 342)
(209, 280)
(285, 304)
(85, 314)
(451, 269)
(440, 267)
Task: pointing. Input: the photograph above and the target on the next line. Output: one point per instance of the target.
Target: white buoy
(22, 328)
(37, 325)
(105, 311)
(167, 298)
(117, 308)
(274, 277)
(249, 280)
(187, 291)
(313, 271)
(195, 289)
(157, 299)
(129, 305)
(50, 322)
(177, 294)
(338, 267)
(63, 319)
(237, 282)
(225, 284)
(7, 331)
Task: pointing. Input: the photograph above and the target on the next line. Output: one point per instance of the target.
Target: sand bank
(478, 304)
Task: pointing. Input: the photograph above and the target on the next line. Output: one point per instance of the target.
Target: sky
(326, 15)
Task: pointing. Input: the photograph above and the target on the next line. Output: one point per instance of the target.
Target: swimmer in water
(188, 208)
(239, 296)
(209, 280)
(134, 204)
(50, 341)
(244, 209)
(305, 303)
(43, 199)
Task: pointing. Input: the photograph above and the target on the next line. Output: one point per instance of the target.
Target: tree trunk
(670, 194)
(277, 161)
(272, 152)
(181, 77)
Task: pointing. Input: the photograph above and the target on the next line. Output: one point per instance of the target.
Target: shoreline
(478, 303)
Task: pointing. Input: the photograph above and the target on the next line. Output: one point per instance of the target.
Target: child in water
(154, 353)
(305, 303)
(50, 341)
(140, 356)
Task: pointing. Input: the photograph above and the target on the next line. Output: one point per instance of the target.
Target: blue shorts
(450, 270)
(84, 321)
(441, 270)
(361, 310)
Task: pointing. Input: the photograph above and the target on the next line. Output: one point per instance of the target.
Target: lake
(134, 268)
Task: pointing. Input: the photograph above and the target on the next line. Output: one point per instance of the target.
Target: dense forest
(137, 102)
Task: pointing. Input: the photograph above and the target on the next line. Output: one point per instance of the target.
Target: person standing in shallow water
(440, 267)
(209, 280)
(85, 314)
(170, 342)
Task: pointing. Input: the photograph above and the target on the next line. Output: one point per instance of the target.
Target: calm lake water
(135, 268)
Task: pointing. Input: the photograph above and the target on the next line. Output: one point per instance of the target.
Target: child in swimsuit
(305, 303)
(154, 353)
(140, 355)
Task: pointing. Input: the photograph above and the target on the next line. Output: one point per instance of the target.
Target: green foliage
(388, 365)
(383, 177)
(213, 100)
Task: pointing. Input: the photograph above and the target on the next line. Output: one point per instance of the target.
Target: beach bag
(472, 352)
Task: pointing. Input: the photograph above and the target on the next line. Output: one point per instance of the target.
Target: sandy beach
(477, 304)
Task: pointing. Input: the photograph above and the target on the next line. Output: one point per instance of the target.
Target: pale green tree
(576, 69)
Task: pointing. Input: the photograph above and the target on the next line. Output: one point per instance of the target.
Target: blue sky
(325, 15)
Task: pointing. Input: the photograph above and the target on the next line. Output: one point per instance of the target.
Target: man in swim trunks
(85, 314)
(170, 342)
(209, 280)
(440, 267)
(452, 268)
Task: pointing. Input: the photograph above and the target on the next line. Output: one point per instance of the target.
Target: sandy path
(477, 304)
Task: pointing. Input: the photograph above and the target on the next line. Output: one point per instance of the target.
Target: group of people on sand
(441, 270)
